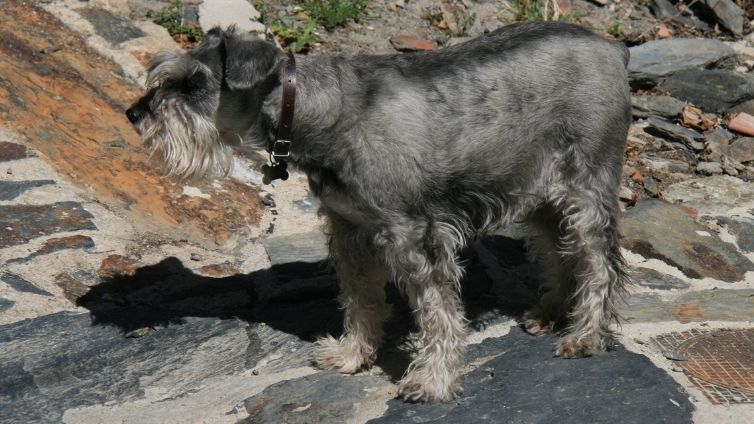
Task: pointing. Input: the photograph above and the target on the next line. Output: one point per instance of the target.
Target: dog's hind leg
(362, 297)
(589, 245)
(542, 245)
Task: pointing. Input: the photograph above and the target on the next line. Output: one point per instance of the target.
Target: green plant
(616, 30)
(171, 18)
(295, 39)
(540, 10)
(334, 13)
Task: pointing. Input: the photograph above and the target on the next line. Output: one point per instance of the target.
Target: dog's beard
(185, 144)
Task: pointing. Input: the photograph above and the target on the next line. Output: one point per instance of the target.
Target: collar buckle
(281, 149)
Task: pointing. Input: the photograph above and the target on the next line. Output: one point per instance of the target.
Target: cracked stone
(9, 190)
(21, 223)
(659, 230)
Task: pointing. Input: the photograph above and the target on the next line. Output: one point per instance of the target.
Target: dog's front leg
(362, 297)
(433, 375)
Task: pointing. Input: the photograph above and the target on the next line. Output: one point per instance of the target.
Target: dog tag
(275, 171)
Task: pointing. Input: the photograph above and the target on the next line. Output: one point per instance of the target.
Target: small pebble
(9, 171)
(255, 372)
(196, 257)
(639, 341)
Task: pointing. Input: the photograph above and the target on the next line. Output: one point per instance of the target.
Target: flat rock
(652, 279)
(712, 90)
(695, 306)
(11, 151)
(5, 304)
(404, 43)
(653, 61)
(664, 165)
(727, 13)
(659, 230)
(709, 168)
(668, 130)
(305, 247)
(111, 27)
(663, 106)
(742, 123)
(742, 149)
(22, 285)
(21, 223)
(303, 400)
(57, 362)
(9, 190)
(715, 195)
(745, 107)
(524, 383)
(224, 13)
(742, 228)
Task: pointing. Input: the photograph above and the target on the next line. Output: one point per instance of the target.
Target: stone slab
(22, 285)
(57, 244)
(652, 279)
(658, 59)
(111, 27)
(304, 247)
(663, 106)
(712, 90)
(524, 383)
(707, 305)
(224, 13)
(670, 131)
(742, 228)
(21, 223)
(656, 229)
(716, 195)
(9, 190)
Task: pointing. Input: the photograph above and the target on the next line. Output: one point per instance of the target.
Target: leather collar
(281, 149)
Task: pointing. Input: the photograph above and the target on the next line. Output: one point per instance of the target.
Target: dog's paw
(342, 355)
(535, 325)
(415, 387)
(573, 347)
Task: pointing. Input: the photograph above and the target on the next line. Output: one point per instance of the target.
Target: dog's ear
(249, 62)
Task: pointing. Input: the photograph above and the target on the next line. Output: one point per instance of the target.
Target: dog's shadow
(300, 298)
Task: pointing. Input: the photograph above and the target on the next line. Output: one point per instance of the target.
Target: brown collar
(281, 148)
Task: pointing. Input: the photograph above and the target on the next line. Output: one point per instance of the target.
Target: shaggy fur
(415, 155)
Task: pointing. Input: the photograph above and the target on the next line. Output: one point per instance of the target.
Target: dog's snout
(133, 115)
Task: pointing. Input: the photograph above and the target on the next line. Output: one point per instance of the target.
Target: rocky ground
(125, 297)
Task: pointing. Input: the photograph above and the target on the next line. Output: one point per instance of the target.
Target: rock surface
(662, 106)
(655, 229)
(715, 195)
(713, 90)
(653, 61)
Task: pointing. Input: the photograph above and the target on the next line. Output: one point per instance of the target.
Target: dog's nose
(133, 115)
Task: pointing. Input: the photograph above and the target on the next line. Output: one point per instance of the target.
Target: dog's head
(201, 103)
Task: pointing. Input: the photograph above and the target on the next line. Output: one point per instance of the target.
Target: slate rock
(715, 195)
(709, 168)
(57, 244)
(712, 90)
(663, 106)
(304, 247)
(5, 304)
(524, 383)
(670, 131)
(659, 230)
(22, 285)
(9, 190)
(21, 223)
(742, 228)
(647, 277)
(318, 398)
(650, 185)
(718, 141)
(61, 361)
(658, 59)
(664, 165)
(745, 107)
(11, 151)
(664, 10)
(742, 149)
(726, 12)
(112, 28)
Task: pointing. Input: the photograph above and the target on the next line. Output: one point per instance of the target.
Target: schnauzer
(415, 155)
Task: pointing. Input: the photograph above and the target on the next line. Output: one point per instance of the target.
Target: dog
(415, 155)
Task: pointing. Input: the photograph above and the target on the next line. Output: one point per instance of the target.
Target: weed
(334, 13)
(540, 10)
(295, 39)
(616, 30)
(171, 18)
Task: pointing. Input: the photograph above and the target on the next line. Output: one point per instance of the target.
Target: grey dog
(415, 155)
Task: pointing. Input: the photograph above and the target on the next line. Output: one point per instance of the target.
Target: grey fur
(415, 155)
